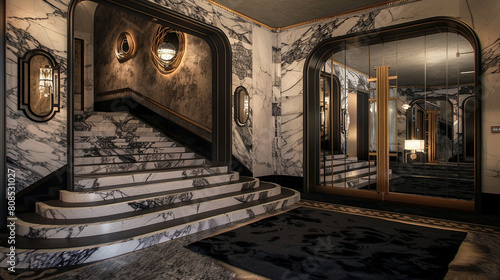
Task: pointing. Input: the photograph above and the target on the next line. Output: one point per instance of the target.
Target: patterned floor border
(402, 218)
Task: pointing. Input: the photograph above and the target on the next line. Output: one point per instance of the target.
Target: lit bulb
(166, 51)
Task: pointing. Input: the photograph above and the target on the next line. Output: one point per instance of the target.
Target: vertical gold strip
(382, 128)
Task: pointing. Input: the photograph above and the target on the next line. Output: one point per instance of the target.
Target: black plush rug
(307, 243)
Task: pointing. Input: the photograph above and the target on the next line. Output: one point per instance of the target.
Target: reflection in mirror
(241, 106)
(430, 100)
(39, 89)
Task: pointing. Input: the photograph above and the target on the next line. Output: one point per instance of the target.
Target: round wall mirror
(167, 49)
(125, 47)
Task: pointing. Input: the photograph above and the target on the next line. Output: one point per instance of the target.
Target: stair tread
(34, 244)
(138, 172)
(37, 219)
(142, 161)
(349, 170)
(131, 185)
(60, 203)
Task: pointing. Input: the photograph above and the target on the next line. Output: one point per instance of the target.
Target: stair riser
(121, 139)
(357, 183)
(48, 211)
(336, 162)
(132, 158)
(366, 171)
(31, 259)
(94, 183)
(128, 151)
(347, 167)
(101, 169)
(81, 197)
(140, 221)
(123, 129)
(105, 134)
(112, 145)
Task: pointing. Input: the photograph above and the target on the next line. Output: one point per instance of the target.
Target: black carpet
(307, 243)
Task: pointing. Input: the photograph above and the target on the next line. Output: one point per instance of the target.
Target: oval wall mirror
(125, 47)
(241, 106)
(167, 49)
(39, 87)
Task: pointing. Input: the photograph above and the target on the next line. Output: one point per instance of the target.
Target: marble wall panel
(482, 16)
(297, 43)
(261, 100)
(35, 150)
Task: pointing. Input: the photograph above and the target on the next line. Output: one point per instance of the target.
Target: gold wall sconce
(125, 47)
(241, 106)
(167, 49)
(39, 96)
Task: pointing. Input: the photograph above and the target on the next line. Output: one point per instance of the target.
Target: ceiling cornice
(276, 29)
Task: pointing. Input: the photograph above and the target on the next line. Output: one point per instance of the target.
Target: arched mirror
(125, 47)
(167, 49)
(241, 106)
(39, 87)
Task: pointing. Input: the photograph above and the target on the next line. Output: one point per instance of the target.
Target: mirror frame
(121, 54)
(24, 96)
(167, 67)
(238, 109)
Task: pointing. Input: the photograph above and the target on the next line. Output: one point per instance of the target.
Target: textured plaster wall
(187, 91)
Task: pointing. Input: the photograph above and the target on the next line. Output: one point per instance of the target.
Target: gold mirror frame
(241, 106)
(164, 66)
(121, 53)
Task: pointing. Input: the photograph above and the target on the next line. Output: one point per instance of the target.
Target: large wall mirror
(417, 89)
(39, 85)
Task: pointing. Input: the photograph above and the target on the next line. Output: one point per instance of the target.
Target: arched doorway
(220, 49)
(433, 59)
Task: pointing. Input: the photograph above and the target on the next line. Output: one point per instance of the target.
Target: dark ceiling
(284, 13)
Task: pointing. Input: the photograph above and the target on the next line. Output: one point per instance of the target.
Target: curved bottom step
(36, 253)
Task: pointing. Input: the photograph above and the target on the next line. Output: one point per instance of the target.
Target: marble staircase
(347, 172)
(134, 188)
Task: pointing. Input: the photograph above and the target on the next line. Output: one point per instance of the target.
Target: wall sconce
(125, 47)
(322, 118)
(39, 97)
(406, 106)
(46, 81)
(241, 106)
(167, 49)
(414, 146)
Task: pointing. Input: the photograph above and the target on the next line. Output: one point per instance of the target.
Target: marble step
(132, 158)
(136, 166)
(91, 227)
(351, 173)
(103, 134)
(330, 156)
(138, 144)
(105, 141)
(334, 162)
(134, 127)
(57, 209)
(133, 189)
(346, 167)
(34, 253)
(354, 182)
(109, 180)
(126, 151)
